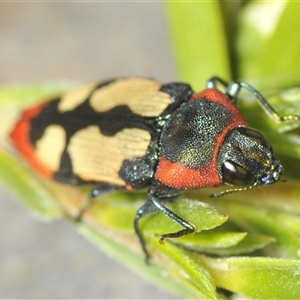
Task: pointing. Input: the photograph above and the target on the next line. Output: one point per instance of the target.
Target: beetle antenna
(232, 191)
(233, 90)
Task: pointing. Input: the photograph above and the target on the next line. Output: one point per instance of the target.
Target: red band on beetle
(214, 95)
(178, 176)
(20, 137)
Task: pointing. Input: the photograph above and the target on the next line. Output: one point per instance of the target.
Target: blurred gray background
(83, 41)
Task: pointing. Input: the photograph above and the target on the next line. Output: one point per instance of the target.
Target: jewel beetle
(131, 133)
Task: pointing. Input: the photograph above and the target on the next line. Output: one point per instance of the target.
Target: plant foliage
(246, 243)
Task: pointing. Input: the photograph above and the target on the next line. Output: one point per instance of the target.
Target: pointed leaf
(268, 43)
(199, 41)
(258, 278)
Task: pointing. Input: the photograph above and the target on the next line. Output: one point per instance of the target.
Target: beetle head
(246, 159)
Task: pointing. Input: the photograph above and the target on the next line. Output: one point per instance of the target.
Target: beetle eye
(254, 135)
(234, 174)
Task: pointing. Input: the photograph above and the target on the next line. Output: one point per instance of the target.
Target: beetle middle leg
(188, 227)
(96, 192)
(145, 210)
(157, 193)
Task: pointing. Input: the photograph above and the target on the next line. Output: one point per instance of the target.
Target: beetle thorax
(190, 143)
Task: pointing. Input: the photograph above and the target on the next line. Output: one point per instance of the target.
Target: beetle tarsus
(178, 234)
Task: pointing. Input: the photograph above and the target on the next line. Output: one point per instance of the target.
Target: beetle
(130, 133)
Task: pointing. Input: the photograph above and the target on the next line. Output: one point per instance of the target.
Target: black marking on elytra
(179, 93)
(83, 116)
(109, 123)
(79, 118)
(138, 172)
(65, 173)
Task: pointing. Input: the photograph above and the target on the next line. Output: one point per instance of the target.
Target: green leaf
(256, 277)
(119, 209)
(28, 188)
(224, 243)
(211, 239)
(188, 210)
(184, 264)
(268, 44)
(157, 274)
(282, 225)
(199, 41)
(249, 244)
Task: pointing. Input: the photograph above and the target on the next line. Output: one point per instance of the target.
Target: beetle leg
(151, 206)
(157, 192)
(233, 91)
(145, 210)
(188, 227)
(96, 192)
(212, 82)
(234, 88)
(103, 189)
